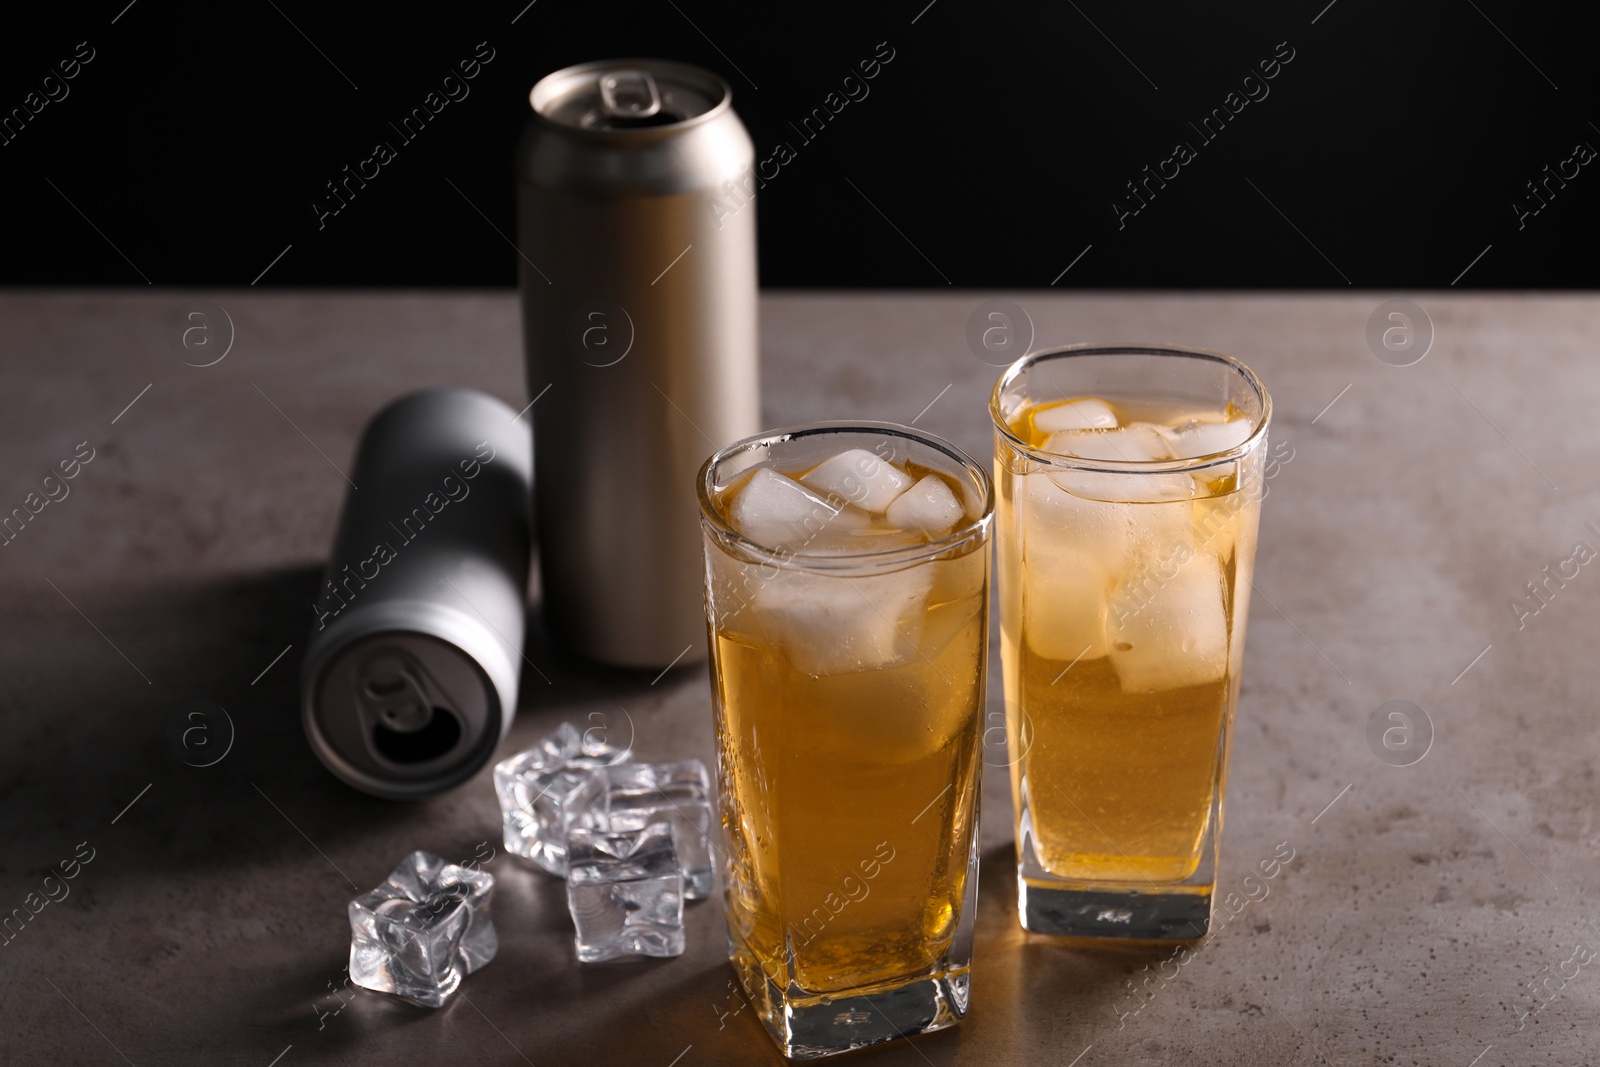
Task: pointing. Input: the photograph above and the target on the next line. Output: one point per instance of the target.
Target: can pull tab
(405, 724)
(391, 692)
(629, 94)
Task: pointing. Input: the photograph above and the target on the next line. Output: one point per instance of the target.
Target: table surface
(1433, 913)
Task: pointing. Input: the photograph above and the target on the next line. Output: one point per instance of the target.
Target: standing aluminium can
(639, 316)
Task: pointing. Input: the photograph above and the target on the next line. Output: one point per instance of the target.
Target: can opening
(402, 713)
(407, 725)
(405, 742)
(597, 121)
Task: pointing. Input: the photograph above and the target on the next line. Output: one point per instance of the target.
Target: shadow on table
(1062, 994)
(214, 799)
(264, 838)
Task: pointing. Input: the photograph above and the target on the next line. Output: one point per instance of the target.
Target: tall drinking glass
(847, 578)
(1130, 484)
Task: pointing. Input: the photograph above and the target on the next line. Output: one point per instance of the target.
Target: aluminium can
(409, 682)
(637, 257)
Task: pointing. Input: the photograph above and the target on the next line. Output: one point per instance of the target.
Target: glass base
(809, 1025)
(1148, 911)
(1100, 912)
(812, 1027)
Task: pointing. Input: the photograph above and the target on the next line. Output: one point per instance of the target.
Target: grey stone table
(1441, 912)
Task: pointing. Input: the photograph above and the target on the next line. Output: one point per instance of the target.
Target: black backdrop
(1390, 150)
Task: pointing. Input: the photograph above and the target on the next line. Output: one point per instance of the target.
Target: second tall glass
(847, 590)
(1130, 483)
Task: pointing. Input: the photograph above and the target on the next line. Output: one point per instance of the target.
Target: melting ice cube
(833, 624)
(1195, 438)
(1174, 632)
(1139, 442)
(865, 480)
(1064, 603)
(929, 507)
(777, 511)
(1085, 414)
(1056, 520)
(1071, 548)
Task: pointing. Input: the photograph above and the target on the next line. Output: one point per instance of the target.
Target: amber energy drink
(1129, 482)
(847, 571)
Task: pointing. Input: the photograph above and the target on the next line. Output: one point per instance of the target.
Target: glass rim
(972, 529)
(1058, 460)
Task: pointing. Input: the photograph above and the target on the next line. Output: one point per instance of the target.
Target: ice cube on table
(535, 786)
(422, 930)
(832, 624)
(630, 796)
(929, 508)
(1086, 414)
(865, 480)
(1194, 438)
(1174, 633)
(625, 892)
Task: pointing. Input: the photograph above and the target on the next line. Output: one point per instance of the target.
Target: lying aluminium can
(410, 678)
(637, 241)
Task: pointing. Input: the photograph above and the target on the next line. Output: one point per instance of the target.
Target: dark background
(1386, 155)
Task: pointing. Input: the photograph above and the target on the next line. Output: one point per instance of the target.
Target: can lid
(402, 714)
(628, 94)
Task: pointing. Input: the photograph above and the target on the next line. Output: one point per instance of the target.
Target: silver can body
(410, 679)
(637, 234)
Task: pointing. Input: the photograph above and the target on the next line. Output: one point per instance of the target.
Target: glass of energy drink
(1130, 483)
(847, 592)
